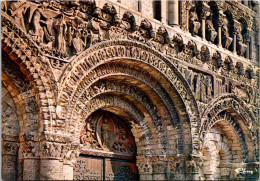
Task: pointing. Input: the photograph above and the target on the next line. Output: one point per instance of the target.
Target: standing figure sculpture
(18, 9)
(61, 29)
(241, 46)
(77, 42)
(105, 134)
(37, 32)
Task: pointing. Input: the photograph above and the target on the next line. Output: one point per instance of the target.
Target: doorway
(108, 149)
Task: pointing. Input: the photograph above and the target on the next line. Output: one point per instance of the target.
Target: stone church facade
(113, 90)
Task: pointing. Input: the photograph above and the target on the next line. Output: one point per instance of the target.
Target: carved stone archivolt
(133, 52)
(230, 101)
(106, 86)
(62, 62)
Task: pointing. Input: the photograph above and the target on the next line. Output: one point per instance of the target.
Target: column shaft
(174, 12)
(235, 44)
(203, 28)
(51, 170)
(219, 37)
(164, 11)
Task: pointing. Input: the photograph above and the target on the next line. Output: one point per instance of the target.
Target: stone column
(251, 47)
(159, 170)
(246, 2)
(187, 16)
(248, 39)
(51, 169)
(9, 160)
(203, 28)
(164, 11)
(173, 12)
(220, 23)
(57, 160)
(237, 28)
(159, 167)
(31, 162)
(205, 12)
(68, 172)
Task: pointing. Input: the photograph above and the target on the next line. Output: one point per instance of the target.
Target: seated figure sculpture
(241, 47)
(194, 24)
(211, 33)
(226, 39)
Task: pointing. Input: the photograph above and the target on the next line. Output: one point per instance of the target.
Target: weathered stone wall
(188, 93)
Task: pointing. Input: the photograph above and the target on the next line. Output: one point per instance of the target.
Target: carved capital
(10, 148)
(221, 19)
(237, 27)
(205, 11)
(30, 149)
(63, 152)
(144, 165)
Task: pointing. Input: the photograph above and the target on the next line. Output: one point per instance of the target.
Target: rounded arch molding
(108, 51)
(236, 107)
(21, 49)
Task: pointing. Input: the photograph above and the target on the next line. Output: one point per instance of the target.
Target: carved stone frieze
(172, 90)
(85, 24)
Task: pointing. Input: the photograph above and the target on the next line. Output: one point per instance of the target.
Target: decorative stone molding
(127, 49)
(230, 101)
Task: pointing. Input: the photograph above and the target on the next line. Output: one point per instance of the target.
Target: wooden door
(120, 170)
(92, 168)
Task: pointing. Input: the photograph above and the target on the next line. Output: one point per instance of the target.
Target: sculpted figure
(88, 138)
(121, 140)
(4, 6)
(48, 29)
(69, 33)
(105, 134)
(162, 36)
(145, 28)
(226, 39)
(37, 32)
(194, 24)
(77, 42)
(241, 47)
(18, 9)
(128, 21)
(211, 33)
(61, 29)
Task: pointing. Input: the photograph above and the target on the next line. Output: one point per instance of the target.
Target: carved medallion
(106, 131)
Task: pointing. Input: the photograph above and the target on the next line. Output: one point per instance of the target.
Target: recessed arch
(23, 51)
(108, 51)
(243, 120)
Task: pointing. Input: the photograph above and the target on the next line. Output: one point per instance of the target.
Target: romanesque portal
(94, 90)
